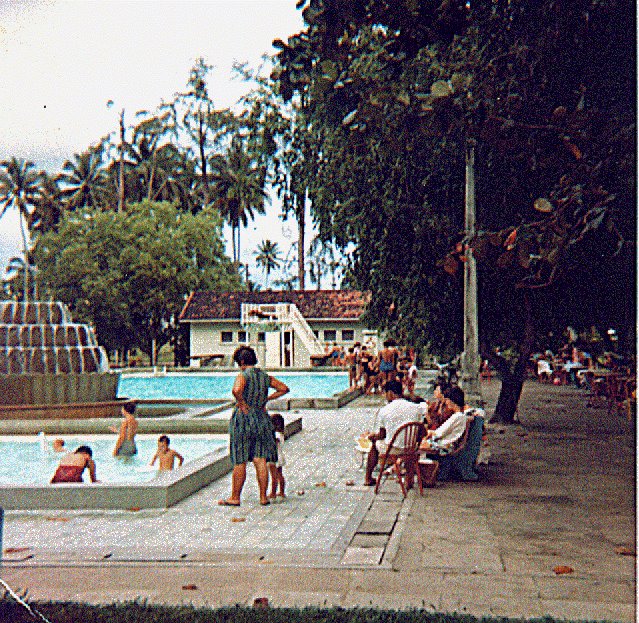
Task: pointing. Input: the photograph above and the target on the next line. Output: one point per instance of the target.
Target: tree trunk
(201, 146)
(301, 226)
(512, 379)
(121, 173)
(25, 252)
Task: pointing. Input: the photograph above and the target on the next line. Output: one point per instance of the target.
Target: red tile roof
(320, 304)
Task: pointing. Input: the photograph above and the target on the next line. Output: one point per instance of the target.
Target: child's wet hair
(278, 422)
(164, 439)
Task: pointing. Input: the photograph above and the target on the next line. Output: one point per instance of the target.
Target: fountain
(51, 367)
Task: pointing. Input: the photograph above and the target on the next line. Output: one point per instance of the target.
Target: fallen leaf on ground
(134, 509)
(320, 484)
(237, 519)
(15, 550)
(350, 483)
(57, 518)
(625, 551)
(563, 569)
(189, 587)
(300, 492)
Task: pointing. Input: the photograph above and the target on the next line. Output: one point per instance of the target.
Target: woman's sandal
(227, 503)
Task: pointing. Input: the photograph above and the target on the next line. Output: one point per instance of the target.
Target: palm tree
(19, 189)
(323, 260)
(48, 206)
(238, 184)
(267, 256)
(15, 274)
(83, 180)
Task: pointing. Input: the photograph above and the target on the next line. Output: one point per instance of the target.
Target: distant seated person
(447, 399)
(445, 438)
(58, 445)
(544, 371)
(392, 416)
(73, 464)
(166, 456)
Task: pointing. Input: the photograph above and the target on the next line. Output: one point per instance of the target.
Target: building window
(348, 335)
(330, 335)
(241, 337)
(227, 337)
(261, 336)
(316, 333)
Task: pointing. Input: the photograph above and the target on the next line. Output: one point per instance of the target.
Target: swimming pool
(33, 462)
(197, 385)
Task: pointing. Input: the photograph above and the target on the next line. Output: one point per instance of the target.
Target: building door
(288, 349)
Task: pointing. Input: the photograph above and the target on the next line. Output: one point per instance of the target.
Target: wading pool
(29, 459)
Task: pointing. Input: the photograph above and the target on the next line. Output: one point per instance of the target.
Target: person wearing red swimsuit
(73, 464)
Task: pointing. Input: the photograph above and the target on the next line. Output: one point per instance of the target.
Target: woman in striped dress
(251, 433)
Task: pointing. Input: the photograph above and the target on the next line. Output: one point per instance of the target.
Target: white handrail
(281, 313)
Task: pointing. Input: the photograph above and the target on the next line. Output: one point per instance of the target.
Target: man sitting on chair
(396, 413)
(443, 439)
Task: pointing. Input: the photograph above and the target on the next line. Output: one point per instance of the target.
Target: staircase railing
(282, 314)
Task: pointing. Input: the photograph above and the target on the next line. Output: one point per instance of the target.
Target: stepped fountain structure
(51, 367)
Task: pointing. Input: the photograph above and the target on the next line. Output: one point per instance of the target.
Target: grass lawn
(140, 612)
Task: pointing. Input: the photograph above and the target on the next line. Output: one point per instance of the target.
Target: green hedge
(141, 612)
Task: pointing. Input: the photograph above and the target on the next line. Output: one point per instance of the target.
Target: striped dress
(251, 435)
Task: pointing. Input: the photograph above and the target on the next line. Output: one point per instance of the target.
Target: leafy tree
(268, 257)
(128, 273)
(398, 93)
(19, 188)
(203, 126)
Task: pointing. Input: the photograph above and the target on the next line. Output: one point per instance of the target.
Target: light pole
(470, 362)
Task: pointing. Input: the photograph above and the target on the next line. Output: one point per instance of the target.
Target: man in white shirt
(396, 413)
(442, 440)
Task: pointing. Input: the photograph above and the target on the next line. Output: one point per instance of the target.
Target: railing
(281, 314)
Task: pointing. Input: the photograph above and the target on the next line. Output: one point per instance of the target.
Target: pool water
(200, 386)
(33, 462)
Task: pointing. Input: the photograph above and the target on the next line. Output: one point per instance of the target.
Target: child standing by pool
(166, 455)
(277, 475)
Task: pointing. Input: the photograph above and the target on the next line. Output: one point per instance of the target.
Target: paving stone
(362, 555)
(369, 540)
(371, 526)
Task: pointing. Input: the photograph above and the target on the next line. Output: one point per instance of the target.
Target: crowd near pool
(34, 461)
(208, 386)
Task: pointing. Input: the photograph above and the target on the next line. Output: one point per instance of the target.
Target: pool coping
(162, 491)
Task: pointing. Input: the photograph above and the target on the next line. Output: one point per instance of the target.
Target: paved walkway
(559, 491)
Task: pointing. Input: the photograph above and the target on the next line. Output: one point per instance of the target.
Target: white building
(286, 328)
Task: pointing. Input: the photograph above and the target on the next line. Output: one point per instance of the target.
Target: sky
(62, 61)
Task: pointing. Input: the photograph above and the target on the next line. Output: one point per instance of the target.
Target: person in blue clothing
(251, 432)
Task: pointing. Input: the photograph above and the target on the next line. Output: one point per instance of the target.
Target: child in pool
(277, 475)
(166, 456)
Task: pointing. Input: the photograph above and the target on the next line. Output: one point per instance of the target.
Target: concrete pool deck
(559, 491)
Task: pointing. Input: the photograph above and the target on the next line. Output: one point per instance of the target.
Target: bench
(205, 360)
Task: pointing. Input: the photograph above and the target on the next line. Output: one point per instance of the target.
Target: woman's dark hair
(129, 407)
(456, 394)
(245, 356)
(84, 450)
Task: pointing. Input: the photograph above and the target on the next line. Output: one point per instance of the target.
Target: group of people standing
(372, 371)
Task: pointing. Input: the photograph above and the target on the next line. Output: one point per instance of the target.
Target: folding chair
(401, 457)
